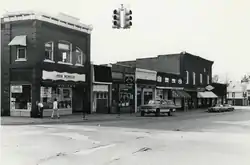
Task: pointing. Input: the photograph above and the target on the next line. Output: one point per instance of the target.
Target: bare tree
(215, 78)
(245, 78)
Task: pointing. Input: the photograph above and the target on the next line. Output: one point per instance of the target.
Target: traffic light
(117, 19)
(127, 18)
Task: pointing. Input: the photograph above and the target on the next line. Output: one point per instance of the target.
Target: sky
(218, 30)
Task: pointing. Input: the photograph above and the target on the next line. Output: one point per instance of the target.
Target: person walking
(55, 108)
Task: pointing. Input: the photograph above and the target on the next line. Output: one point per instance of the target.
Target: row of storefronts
(46, 58)
(148, 85)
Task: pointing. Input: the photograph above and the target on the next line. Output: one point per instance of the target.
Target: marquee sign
(47, 75)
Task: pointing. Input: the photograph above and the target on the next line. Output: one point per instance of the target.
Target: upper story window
(201, 77)
(193, 78)
(65, 52)
(80, 58)
(159, 79)
(49, 51)
(173, 81)
(205, 70)
(166, 79)
(21, 53)
(208, 79)
(187, 77)
(20, 43)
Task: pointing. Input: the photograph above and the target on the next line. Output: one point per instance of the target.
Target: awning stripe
(18, 40)
(207, 94)
(180, 94)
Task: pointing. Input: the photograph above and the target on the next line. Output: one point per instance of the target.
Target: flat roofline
(59, 19)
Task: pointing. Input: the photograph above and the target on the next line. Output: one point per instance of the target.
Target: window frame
(70, 51)
(187, 77)
(208, 79)
(166, 79)
(194, 78)
(52, 52)
(17, 53)
(80, 50)
(173, 81)
(201, 78)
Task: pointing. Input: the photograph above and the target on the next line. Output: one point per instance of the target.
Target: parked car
(216, 108)
(221, 108)
(158, 106)
(227, 107)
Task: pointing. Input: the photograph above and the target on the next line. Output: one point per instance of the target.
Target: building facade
(237, 94)
(196, 73)
(123, 89)
(44, 58)
(102, 89)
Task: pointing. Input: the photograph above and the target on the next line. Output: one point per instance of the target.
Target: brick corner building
(44, 57)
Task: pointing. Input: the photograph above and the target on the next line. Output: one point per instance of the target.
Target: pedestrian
(55, 108)
(36, 112)
(40, 108)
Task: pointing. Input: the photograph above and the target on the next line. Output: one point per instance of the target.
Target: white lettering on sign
(63, 76)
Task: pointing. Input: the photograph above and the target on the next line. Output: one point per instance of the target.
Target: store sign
(17, 89)
(209, 87)
(63, 76)
(100, 88)
(144, 74)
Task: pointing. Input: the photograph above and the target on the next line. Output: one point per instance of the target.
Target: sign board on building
(209, 87)
(129, 79)
(47, 75)
(17, 89)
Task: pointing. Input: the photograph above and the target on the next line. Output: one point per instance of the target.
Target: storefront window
(21, 97)
(63, 96)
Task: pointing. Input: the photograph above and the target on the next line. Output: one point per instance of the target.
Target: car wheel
(157, 113)
(142, 113)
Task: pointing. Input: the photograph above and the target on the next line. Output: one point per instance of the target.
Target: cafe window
(63, 96)
(21, 97)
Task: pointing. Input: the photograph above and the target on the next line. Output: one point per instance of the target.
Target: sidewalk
(242, 107)
(77, 118)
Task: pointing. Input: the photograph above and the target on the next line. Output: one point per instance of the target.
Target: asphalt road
(236, 121)
(198, 138)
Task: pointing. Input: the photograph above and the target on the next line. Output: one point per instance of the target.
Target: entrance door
(102, 102)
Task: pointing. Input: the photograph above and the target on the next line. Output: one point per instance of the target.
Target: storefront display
(20, 97)
(63, 96)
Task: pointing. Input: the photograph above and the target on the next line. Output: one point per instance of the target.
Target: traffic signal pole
(122, 18)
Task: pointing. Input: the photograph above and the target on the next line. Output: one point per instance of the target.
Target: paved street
(197, 138)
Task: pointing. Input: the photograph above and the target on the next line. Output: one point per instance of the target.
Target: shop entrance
(20, 97)
(101, 102)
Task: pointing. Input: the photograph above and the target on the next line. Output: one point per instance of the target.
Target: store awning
(180, 94)
(18, 40)
(207, 94)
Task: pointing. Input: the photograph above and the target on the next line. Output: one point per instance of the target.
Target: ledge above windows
(65, 63)
(21, 59)
(49, 61)
(79, 65)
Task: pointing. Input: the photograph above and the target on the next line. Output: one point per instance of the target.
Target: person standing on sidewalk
(55, 108)
(40, 109)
